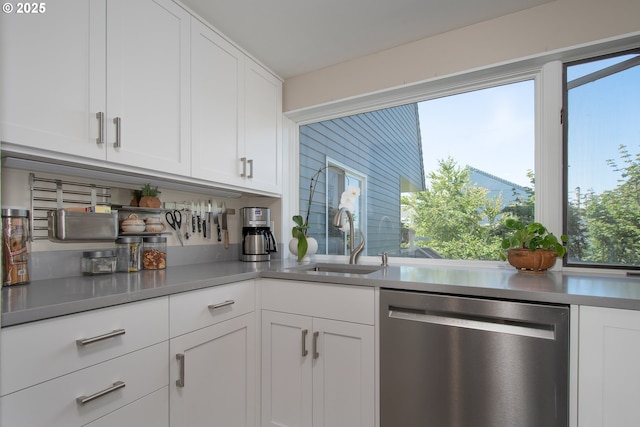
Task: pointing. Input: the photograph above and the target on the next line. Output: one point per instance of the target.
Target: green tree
(612, 219)
(457, 218)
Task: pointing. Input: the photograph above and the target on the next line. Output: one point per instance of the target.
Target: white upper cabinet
(216, 67)
(236, 115)
(148, 45)
(262, 130)
(52, 67)
(139, 84)
(68, 73)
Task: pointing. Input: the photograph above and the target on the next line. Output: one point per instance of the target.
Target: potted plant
(302, 243)
(149, 197)
(531, 247)
(299, 245)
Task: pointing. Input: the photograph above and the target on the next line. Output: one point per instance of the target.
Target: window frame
(545, 69)
(565, 175)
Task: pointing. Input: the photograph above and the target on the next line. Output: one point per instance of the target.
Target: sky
(493, 129)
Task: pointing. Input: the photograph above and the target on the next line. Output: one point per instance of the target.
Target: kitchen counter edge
(58, 297)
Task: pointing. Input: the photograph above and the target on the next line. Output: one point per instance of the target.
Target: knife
(208, 220)
(215, 219)
(199, 216)
(224, 225)
(193, 217)
(204, 220)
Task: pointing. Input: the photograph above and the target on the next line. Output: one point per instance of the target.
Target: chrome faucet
(354, 253)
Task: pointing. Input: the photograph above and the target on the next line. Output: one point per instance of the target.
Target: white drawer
(54, 403)
(150, 411)
(36, 352)
(198, 309)
(330, 301)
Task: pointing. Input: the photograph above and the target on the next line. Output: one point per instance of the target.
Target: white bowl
(155, 228)
(134, 228)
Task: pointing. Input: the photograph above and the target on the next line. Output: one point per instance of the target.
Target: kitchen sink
(338, 268)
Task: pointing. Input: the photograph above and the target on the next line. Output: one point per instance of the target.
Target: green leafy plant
(299, 231)
(531, 236)
(149, 190)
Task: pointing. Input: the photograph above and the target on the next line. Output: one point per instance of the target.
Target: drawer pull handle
(84, 341)
(304, 342)
(221, 304)
(86, 399)
(315, 345)
(180, 380)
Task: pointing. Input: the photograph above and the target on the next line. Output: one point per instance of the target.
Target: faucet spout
(354, 251)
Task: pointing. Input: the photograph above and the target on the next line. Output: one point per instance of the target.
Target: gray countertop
(56, 297)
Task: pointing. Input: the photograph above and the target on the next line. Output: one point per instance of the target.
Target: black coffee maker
(258, 241)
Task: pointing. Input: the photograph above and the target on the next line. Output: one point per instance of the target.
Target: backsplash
(54, 259)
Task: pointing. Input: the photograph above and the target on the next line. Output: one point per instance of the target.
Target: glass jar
(98, 262)
(129, 254)
(15, 246)
(154, 253)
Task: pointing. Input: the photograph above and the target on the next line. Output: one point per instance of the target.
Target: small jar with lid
(129, 253)
(154, 253)
(98, 262)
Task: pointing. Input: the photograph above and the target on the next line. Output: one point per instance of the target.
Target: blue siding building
(381, 152)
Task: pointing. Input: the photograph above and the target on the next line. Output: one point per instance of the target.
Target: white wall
(553, 26)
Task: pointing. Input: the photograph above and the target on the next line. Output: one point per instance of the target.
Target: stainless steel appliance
(258, 241)
(450, 361)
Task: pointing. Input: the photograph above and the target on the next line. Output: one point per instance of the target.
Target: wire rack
(49, 194)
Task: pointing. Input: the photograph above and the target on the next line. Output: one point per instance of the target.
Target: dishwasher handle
(480, 323)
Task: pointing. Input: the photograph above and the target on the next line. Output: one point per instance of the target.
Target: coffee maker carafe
(258, 241)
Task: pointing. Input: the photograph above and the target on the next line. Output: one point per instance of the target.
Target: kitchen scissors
(174, 219)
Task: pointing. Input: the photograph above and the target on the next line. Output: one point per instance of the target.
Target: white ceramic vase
(312, 248)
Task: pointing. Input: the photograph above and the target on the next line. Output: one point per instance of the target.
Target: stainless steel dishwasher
(450, 361)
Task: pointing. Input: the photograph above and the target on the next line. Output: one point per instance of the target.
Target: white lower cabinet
(608, 376)
(213, 365)
(88, 394)
(317, 371)
(213, 375)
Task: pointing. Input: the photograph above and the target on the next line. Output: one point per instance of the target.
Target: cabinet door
(608, 375)
(218, 373)
(148, 44)
(215, 96)
(343, 374)
(52, 68)
(262, 128)
(286, 370)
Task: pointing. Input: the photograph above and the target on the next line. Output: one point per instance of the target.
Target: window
(439, 174)
(602, 171)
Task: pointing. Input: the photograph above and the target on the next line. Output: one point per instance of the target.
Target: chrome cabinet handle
(221, 304)
(100, 138)
(250, 161)
(118, 122)
(304, 342)
(244, 166)
(86, 399)
(180, 380)
(84, 341)
(315, 345)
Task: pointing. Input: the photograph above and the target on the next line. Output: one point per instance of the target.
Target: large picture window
(440, 174)
(602, 171)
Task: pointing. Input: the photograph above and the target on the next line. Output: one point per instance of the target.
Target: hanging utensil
(215, 219)
(225, 229)
(174, 219)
